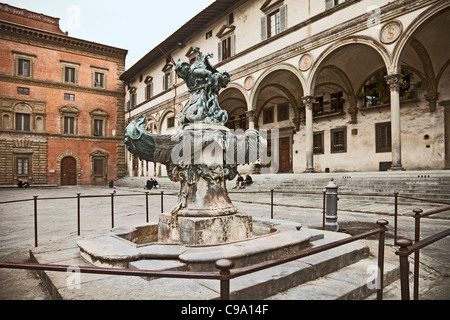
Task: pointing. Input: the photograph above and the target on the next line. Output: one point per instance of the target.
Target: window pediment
(168, 66)
(69, 109)
(226, 30)
(99, 113)
(191, 52)
(270, 5)
(148, 79)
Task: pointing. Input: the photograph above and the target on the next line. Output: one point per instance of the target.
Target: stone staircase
(428, 185)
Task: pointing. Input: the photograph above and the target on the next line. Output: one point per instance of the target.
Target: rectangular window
(99, 80)
(332, 3)
(273, 25)
(24, 91)
(226, 48)
(98, 167)
(69, 125)
(168, 80)
(98, 128)
(69, 75)
(133, 100)
(24, 68)
(149, 91)
(318, 143)
(209, 35)
(337, 102)
(283, 111)
(383, 137)
(268, 115)
(22, 166)
(171, 122)
(22, 122)
(69, 96)
(318, 106)
(339, 140)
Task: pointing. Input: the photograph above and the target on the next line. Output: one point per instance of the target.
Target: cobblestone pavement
(57, 219)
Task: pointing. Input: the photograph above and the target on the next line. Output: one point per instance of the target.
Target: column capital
(394, 81)
(308, 101)
(432, 98)
(250, 114)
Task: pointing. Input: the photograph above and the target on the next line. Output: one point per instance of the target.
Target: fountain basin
(271, 239)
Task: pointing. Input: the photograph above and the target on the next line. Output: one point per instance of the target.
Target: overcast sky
(135, 25)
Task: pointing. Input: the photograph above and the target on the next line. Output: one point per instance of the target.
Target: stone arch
(407, 36)
(164, 116)
(58, 165)
(291, 91)
(280, 67)
(317, 65)
(234, 100)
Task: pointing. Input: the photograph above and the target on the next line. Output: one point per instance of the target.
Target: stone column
(145, 163)
(139, 168)
(308, 102)
(251, 125)
(130, 163)
(394, 81)
(446, 105)
(251, 118)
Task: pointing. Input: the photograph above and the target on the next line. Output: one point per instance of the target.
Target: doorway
(285, 155)
(68, 171)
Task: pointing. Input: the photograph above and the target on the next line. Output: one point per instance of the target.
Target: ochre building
(61, 104)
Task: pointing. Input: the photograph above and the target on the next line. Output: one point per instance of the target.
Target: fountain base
(204, 230)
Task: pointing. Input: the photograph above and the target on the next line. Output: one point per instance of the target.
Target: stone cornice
(60, 86)
(357, 24)
(59, 136)
(55, 41)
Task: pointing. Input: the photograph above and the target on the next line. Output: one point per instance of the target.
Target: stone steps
(353, 282)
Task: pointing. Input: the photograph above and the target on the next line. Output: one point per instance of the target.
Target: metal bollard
(331, 207)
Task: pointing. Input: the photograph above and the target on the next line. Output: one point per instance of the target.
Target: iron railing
(407, 248)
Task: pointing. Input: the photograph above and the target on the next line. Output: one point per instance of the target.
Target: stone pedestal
(204, 230)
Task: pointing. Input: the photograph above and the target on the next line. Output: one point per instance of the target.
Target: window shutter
(329, 4)
(219, 51)
(233, 44)
(283, 17)
(263, 28)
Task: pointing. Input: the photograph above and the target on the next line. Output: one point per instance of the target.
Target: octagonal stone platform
(138, 248)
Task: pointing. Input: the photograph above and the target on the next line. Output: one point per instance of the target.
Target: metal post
(395, 216)
(403, 253)
(162, 201)
(35, 222)
(417, 213)
(78, 212)
(271, 203)
(381, 242)
(324, 191)
(331, 207)
(224, 265)
(112, 210)
(146, 205)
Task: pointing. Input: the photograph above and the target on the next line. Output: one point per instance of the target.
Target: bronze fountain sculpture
(202, 155)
